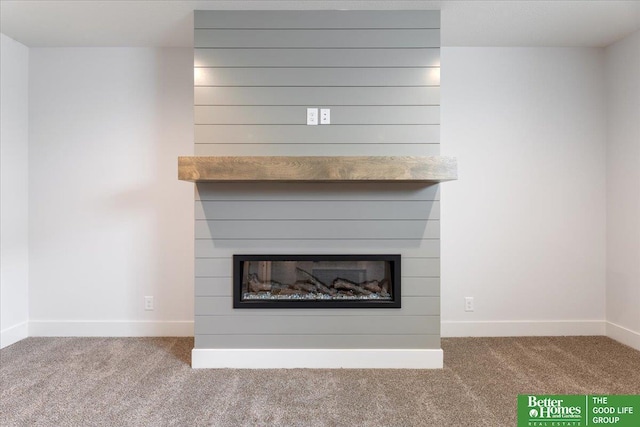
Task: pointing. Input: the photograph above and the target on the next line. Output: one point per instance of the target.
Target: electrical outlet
(148, 303)
(325, 116)
(468, 304)
(312, 116)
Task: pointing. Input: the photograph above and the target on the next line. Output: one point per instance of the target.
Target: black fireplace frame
(394, 263)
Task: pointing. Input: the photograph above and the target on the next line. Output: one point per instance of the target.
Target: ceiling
(593, 23)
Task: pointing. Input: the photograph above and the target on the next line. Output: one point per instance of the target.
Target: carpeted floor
(149, 382)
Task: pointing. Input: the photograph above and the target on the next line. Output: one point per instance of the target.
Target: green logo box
(578, 410)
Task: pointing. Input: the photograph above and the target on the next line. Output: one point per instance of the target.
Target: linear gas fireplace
(316, 281)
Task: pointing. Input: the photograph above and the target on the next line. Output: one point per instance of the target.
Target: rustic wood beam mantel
(317, 169)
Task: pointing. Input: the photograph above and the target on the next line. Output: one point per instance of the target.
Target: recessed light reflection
(198, 76)
(433, 76)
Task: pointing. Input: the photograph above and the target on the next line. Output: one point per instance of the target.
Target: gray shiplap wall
(256, 72)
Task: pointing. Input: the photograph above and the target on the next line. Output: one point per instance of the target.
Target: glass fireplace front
(316, 281)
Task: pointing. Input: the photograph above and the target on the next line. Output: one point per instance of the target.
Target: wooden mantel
(317, 169)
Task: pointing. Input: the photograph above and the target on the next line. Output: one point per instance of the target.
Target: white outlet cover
(325, 116)
(312, 116)
(468, 304)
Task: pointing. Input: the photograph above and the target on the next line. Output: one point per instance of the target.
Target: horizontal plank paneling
(334, 245)
(317, 19)
(326, 97)
(223, 306)
(318, 341)
(420, 267)
(316, 149)
(303, 38)
(213, 286)
(335, 77)
(303, 134)
(379, 73)
(317, 209)
(426, 57)
(340, 115)
(411, 286)
(205, 248)
(317, 191)
(356, 323)
(287, 229)
(411, 267)
(213, 267)
(420, 287)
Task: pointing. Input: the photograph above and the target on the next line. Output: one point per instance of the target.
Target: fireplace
(268, 184)
(316, 281)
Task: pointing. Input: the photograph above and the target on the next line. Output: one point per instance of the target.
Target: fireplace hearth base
(256, 358)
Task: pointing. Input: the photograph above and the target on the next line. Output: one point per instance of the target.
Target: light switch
(325, 116)
(312, 116)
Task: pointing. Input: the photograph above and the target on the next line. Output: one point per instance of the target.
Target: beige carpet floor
(149, 382)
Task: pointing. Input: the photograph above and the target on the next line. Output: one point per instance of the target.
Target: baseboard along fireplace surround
(317, 246)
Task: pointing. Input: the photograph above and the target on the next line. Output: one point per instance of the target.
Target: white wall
(14, 179)
(523, 229)
(623, 190)
(109, 221)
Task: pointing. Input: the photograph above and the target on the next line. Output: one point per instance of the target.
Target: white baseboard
(623, 335)
(522, 328)
(317, 358)
(13, 334)
(91, 328)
